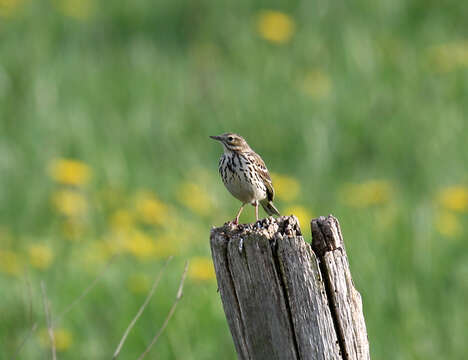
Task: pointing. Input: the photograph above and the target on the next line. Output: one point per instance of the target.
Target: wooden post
(283, 300)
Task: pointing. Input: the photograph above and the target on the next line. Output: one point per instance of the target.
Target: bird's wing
(265, 175)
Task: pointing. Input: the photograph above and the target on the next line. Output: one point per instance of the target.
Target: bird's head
(232, 142)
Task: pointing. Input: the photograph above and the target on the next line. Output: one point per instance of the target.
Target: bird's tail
(269, 207)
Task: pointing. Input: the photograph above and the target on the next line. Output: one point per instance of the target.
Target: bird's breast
(239, 177)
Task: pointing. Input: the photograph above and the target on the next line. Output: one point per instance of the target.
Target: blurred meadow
(359, 110)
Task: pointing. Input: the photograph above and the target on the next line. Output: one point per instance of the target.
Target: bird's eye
(230, 138)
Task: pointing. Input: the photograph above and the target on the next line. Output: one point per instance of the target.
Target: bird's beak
(219, 138)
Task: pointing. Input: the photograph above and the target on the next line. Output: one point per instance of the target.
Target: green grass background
(134, 88)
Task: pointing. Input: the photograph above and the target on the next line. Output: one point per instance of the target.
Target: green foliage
(105, 112)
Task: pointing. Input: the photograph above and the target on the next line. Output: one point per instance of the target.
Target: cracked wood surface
(273, 292)
(282, 299)
(345, 301)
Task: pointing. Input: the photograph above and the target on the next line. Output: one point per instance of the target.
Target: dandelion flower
(450, 56)
(122, 220)
(286, 188)
(63, 339)
(194, 197)
(150, 209)
(69, 202)
(201, 268)
(366, 194)
(10, 263)
(9, 7)
(454, 198)
(76, 9)
(275, 26)
(303, 215)
(70, 172)
(140, 245)
(40, 256)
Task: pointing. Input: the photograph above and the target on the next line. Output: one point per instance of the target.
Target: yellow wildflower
(150, 209)
(275, 26)
(449, 57)
(122, 220)
(194, 197)
(69, 202)
(317, 84)
(373, 192)
(70, 172)
(140, 245)
(77, 9)
(454, 198)
(63, 339)
(286, 188)
(10, 263)
(138, 283)
(303, 215)
(40, 256)
(448, 224)
(9, 7)
(201, 268)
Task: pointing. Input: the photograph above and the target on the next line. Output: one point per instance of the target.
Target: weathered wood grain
(219, 243)
(284, 299)
(272, 291)
(344, 300)
(261, 299)
(306, 295)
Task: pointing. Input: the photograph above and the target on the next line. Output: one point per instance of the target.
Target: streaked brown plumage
(245, 175)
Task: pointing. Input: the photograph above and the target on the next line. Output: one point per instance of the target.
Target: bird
(245, 175)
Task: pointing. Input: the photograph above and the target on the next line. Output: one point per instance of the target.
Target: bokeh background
(105, 110)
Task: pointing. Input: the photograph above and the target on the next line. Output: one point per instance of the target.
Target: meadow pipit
(245, 175)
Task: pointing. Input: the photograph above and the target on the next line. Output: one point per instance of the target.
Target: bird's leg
(236, 220)
(256, 210)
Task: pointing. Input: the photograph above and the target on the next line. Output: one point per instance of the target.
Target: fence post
(282, 299)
